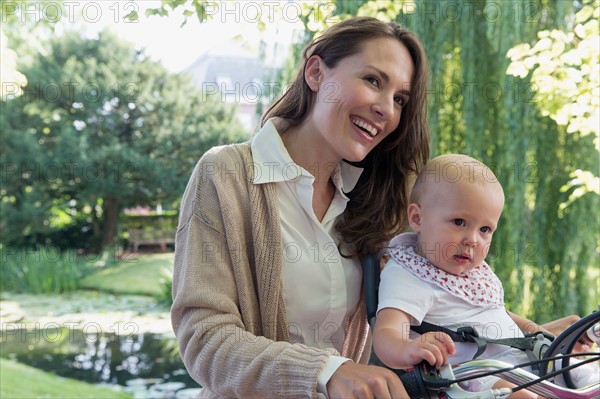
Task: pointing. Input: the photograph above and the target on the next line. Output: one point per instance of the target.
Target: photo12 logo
(54, 92)
(67, 172)
(52, 12)
(268, 11)
(54, 332)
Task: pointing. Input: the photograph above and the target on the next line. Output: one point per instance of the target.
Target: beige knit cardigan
(228, 312)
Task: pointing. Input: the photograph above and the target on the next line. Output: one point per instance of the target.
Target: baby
(438, 274)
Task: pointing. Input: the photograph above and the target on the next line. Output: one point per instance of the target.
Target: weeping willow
(547, 259)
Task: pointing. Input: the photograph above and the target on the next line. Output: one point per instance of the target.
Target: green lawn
(20, 381)
(139, 275)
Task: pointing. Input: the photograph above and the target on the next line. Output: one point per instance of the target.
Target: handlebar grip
(413, 383)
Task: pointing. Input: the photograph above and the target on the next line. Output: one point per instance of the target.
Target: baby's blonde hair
(453, 168)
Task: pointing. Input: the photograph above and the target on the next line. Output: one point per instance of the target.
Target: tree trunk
(97, 230)
(110, 215)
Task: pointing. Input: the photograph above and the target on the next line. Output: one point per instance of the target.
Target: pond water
(147, 365)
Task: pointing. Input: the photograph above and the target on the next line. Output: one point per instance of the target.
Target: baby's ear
(414, 217)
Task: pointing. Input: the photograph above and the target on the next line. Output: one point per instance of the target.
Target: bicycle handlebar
(426, 382)
(519, 376)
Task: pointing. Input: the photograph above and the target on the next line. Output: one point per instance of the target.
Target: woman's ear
(313, 72)
(414, 217)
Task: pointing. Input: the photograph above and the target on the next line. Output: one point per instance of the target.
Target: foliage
(23, 26)
(165, 297)
(584, 181)
(565, 73)
(57, 228)
(202, 9)
(540, 252)
(564, 67)
(100, 127)
(43, 271)
(18, 27)
(20, 381)
(164, 221)
(9, 76)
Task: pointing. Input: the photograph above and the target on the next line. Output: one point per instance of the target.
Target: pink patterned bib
(478, 286)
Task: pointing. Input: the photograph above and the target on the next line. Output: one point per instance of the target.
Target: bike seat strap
(468, 334)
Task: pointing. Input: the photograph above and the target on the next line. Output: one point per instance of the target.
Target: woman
(267, 281)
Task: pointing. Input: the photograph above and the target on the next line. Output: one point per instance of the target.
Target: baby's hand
(434, 347)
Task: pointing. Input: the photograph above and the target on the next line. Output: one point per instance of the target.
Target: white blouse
(321, 288)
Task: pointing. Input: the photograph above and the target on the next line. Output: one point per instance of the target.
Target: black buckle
(467, 333)
(546, 335)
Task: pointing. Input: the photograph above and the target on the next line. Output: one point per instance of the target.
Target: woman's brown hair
(377, 208)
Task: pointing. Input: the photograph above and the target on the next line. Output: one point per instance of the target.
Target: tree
(564, 69)
(9, 75)
(22, 22)
(108, 128)
(543, 250)
(25, 22)
(542, 256)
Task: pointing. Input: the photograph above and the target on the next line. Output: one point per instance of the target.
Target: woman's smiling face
(359, 101)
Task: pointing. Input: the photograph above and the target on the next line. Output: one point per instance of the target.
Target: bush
(76, 235)
(166, 288)
(43, 271)
(153, 221)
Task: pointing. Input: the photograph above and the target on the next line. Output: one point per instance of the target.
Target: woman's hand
(352, 380)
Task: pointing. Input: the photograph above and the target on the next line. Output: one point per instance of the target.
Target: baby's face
(456, 223)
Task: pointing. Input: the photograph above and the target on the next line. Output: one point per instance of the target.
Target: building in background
(233, 73)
